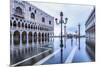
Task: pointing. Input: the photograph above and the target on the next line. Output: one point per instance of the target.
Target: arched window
(42, 36)
(18, 10)
(29, 8)
(29, 26)
(10, 23)
(43, 19)
(22, 25)
(18, 24)
(26, 25)
(14, 23)
(32, 15)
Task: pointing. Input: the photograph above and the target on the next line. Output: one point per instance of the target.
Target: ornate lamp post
(61, 21)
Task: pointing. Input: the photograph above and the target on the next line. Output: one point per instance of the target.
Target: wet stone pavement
(79, 56)
(58, 58)
(62, 55)
(19, 55)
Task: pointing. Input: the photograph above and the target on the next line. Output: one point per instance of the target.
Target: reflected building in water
(29, 27)
(90, 34)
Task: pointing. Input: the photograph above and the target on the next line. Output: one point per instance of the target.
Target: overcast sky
(75, 13)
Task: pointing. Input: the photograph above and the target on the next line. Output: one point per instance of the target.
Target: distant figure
(76, 40)
(65, 42)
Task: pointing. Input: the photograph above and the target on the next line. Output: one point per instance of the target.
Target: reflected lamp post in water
(79, 36)
(76, 36)
(71, 40)
(61, 21)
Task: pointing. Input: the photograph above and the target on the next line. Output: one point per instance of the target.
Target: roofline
(37, 8)
(93, 11)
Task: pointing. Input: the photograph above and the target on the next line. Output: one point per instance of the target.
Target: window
(18, 10)
(10, 23)
(17, 19)
(43, 19)
(14, 23)
(29, 26)
(35, 11)
(26, 25)
(22, 24)
(12, 18)
(49, 22)
(36, 27)
(18, 24)
(29, 8)
(20, 19)
(32, 15)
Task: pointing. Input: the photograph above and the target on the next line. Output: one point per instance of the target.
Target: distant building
(90, 34)
(29, 26)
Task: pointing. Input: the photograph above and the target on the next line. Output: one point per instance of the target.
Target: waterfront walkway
(70, 54)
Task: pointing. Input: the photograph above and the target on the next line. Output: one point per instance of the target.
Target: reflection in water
(61, 56)
(34, 49)
(53, 45)
(81, 55)
(72, 41)
(65, 38)
(61, 49)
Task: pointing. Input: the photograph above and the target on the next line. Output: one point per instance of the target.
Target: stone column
(27, 40)
(12, 44)
(20, 40)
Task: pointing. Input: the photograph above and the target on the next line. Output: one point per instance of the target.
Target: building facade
(90, 34)
(29, 26)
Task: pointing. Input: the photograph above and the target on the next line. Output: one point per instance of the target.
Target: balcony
(18, 12)
(19, 15)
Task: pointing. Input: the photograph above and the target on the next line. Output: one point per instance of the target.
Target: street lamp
(61, 21)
